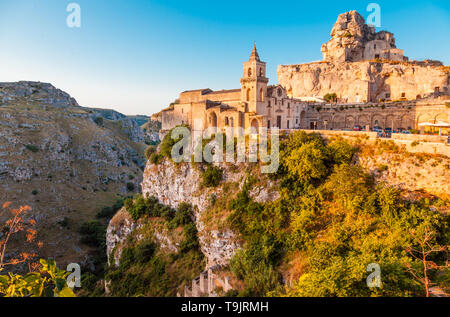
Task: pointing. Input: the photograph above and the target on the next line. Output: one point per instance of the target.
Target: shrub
(99, 121)
(415, 143)
(155, 158)
(32, 148)
(130, 186)
(145, 251)
(167, 143)
(212, 176)
(330, 97)
(184, 215)
(149, 151)
(94, 234)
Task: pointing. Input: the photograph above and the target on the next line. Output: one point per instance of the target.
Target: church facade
(255, 104)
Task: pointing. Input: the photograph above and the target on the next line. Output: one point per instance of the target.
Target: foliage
(20, 222)
(93, 233)
(167, 143)
(99, 121)
(32, 148)
(330, 97)
(149, 151)
(49, 282)
(130, 186)
(144, 269)
(109, 211)
(334, 218)
(212, 176)
(150, 206)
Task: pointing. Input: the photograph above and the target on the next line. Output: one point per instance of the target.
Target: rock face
(38, 92)
(362, 65)
(173, 184)
(353, 41)
(361, 82)
(56, 159)
(129, 125)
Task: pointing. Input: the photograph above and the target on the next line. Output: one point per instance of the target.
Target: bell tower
(254, 83)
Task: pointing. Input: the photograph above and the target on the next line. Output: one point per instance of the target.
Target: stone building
(375, 84)
(254, 104)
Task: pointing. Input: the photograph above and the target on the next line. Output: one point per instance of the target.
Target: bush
(183, 216)
(145, 251)
(99, 121)
(149, 151)
(212, 176)
(148, 206)
(155, 158)
(32, 148)
(330, 97)
(94, 234)
(167, 143)
(130, 186)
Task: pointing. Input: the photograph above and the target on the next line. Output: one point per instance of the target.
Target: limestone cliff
(173, 184)
(364, 81)
(362, 65)
(56, 158)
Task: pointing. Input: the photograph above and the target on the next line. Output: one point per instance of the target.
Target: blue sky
(137, 56)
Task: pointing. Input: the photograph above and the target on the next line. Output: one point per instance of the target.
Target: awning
(439, 124)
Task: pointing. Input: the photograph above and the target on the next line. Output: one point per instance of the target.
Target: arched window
(226, 121)
(248, 94)
(261, 94)
(249, 72)
(260, 72)
(232, 122)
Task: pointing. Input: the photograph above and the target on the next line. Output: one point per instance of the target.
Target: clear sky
(137, 56)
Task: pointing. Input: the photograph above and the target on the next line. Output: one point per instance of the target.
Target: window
(268, 104)
(248, 94)
(403, 95)
(288, 124)
(289, 105)
(249, 72)
(260, 72)
(226, 121)
(261, 94)
(388, 95)
(375, 46)
(268, 124)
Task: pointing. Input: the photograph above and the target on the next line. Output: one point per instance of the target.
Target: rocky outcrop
(128, 124)
(66, 167)
(41, 93)
(173, 184)
(362, 65)
(351, 40)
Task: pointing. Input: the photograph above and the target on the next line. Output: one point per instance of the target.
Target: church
(255, 104)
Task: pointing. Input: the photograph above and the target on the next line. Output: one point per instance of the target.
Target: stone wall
(406, 115)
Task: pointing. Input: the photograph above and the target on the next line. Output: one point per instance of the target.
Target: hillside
(64, 162)
(333, 208)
